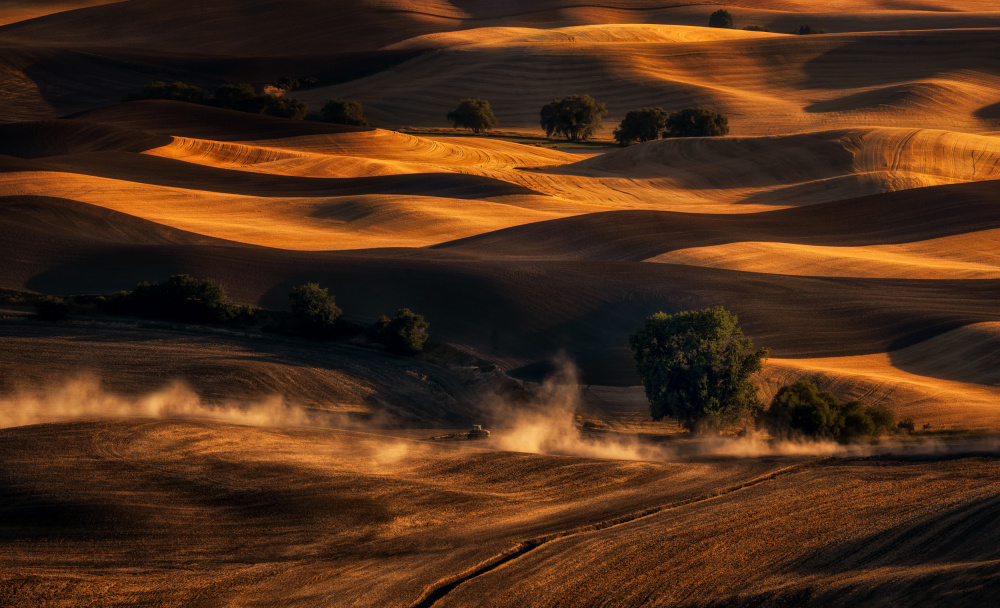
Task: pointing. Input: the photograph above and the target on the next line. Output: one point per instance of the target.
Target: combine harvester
(477, 432)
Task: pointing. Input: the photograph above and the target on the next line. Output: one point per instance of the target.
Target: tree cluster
(805, 30)
(800, 409)
(314, 312)
(697, 367)
(288, 83)
(52, 309)
(344, 112)
(241, 97)
(180, 298)
(647, 124)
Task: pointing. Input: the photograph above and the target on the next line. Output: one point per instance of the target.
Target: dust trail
(83, 397)
(548, 426)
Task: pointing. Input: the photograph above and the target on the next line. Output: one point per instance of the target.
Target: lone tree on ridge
(696, 367)
(475, 114)
(721, 18)
(576, 117)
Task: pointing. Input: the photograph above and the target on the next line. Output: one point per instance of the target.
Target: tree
(52, 309)
(800, 409)
(286, 83)
(721, 18)
(696, 122)
(475, 114)
(806, 30)
(176, 91)
(244, 98)
(406, 333)
(240, 97)
(344, 112)
(696, 367)
(577, 117)
(284, 107)
(314, 310)
(641, 125)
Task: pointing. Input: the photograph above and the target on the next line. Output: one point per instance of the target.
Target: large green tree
(475, 114)
(576, 117)
(644, 124)
(696, 366)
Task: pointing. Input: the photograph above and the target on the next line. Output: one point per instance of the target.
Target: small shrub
(475, 114)
(721, 18)
(576, 117)
(756, 28)
(696, 122)
(344, 112)
(176, 91)
(641, 125)
(907, 425)
(314, 311)
(52, 309)
(406, 333)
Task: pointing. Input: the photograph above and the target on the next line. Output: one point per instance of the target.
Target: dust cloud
(549, 426)
(84, 397)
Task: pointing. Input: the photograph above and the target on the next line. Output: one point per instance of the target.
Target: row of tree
(697, 367)
(722, 18)
(245, 98)
(578, 117)
(314, 312)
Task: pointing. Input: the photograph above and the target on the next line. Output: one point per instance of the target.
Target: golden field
(851, 220)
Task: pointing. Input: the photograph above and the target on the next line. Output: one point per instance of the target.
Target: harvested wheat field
(285, 322)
